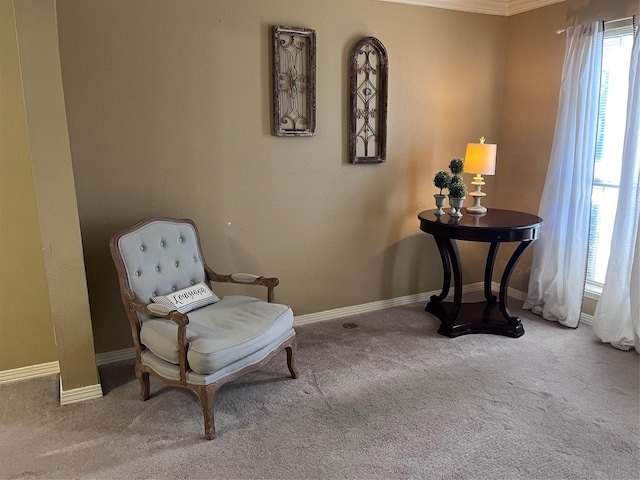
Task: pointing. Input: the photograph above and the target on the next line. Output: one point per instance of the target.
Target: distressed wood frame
(294, 81)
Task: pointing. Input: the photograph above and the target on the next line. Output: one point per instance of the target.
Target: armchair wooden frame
(206, 393)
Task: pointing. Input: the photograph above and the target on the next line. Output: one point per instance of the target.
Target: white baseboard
(80, 394)
(115, 356)
(586, 319)
(130, 353)
(46, 369)
(373, 306)
(511, 292)
(32, 371)
(357, 309)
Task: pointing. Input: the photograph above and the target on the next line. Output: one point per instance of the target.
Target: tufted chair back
(161, 255)
(209, 346)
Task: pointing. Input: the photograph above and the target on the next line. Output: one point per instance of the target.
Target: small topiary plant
(456, 166)
(455, 179)
(441, 180)
(457, 190)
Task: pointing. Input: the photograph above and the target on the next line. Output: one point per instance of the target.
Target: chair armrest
(160, 311)
(250, 279)
(246, 279)
(179, 318)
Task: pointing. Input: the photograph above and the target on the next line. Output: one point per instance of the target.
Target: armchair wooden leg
(143, 378)
(207, 395)
(291, 361)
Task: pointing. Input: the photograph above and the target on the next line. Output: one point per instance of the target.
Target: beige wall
(168, 109)
(169, 114)
(26, 331)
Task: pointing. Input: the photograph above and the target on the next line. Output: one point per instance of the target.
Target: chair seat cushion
(172, 372)
(219, 334)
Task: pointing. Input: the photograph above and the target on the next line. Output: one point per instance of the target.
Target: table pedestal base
(491, 316)
(479, 317)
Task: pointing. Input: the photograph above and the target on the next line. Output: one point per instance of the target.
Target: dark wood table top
(496, 225)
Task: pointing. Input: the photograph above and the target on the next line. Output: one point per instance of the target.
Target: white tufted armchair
(207, 347)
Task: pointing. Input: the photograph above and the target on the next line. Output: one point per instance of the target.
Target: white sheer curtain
(559, 259)
(617, 316)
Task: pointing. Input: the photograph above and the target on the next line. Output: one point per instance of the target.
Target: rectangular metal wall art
(294, 81)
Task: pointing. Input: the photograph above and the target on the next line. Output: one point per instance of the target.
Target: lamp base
(477, 208)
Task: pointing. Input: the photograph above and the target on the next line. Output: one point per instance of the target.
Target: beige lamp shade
(481, 158)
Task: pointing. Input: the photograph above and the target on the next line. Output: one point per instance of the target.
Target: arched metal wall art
(294, 81)
(369, 91)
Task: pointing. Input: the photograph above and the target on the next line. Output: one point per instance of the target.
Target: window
(616, 56)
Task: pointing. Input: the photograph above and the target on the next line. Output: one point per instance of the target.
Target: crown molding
(488, 7)
(518, 6)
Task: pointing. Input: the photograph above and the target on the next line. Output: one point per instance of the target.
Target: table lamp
(479, 159)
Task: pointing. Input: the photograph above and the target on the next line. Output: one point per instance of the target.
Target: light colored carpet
(388, 399)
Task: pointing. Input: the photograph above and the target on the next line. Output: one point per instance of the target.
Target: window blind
(616, 54)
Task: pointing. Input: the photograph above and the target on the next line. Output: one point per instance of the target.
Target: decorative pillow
(187, 299)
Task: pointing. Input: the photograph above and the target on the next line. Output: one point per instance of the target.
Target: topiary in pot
(441, 180)
(457, 190)
(457, 194)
